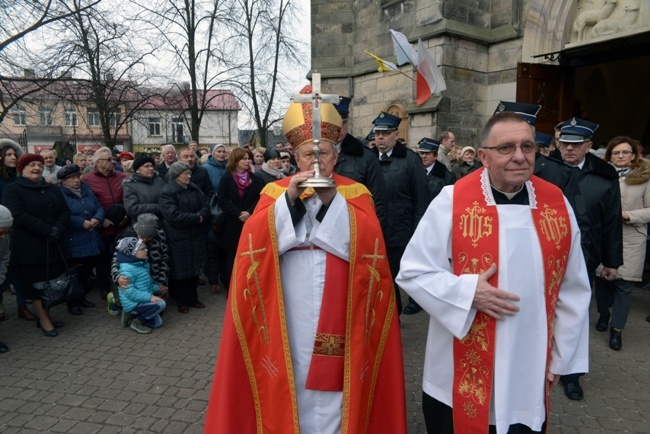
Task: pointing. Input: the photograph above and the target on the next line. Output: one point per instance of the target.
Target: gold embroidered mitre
(297, 123)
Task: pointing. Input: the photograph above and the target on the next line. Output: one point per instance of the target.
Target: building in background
(586, 58)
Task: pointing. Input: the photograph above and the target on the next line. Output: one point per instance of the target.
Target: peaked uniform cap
(543, 140)
(343, 107)
(298, 122)
(577, 130)
(526, 111)
(386, 121)
(428, 145)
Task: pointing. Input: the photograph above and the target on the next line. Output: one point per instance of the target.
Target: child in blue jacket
(141, 308)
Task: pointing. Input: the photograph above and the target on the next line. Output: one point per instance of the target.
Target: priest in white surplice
(496, 262)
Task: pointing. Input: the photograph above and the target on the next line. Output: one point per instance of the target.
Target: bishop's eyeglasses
(509, 148)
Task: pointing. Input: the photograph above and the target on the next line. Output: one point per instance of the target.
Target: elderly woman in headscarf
(216, 164)
(185, 213)
(86, 217)
(38, 248)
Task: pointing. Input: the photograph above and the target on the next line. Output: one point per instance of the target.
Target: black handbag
(66, 287)
(217, 214)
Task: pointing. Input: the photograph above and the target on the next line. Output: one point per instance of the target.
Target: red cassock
(254, 389)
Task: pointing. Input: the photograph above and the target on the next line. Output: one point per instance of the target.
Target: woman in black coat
(41, 217)
(239, 191)
(185, 212)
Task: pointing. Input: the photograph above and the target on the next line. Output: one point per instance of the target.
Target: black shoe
(3, 348)
(573, 391)
(615, 339)
(85, 303)
(647, 318)
(75, 310)
(411, 308)
(603, 323)
(49, 333)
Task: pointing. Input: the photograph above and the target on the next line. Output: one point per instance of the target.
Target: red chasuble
(253, 389)
(475, 247)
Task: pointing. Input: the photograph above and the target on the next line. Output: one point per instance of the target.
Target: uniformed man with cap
(543, 142)
(437, 177)
(357, 162)
(405, 196)
(370, 138)
(437, 173)
(602, 243)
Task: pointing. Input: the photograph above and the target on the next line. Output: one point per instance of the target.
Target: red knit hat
(26, 159)
(127, 155)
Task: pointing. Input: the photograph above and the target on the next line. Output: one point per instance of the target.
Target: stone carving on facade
(600, 18)
(618, 24)
(592, 16)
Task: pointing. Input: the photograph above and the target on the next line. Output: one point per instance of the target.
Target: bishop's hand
(493, 301)
(293, 191)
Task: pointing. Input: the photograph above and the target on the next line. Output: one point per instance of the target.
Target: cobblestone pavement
(97, 377)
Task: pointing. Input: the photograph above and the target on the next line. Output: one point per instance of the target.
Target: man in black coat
(437, 173)
(168, 158)
(200, 175)
(359, 163)
(406, 199)
(437, 176)
(603, 242)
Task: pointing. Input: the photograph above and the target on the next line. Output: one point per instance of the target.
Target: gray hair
(162, 148)
(101, 151)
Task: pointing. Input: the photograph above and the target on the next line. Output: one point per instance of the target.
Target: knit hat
(269, 154)
(6, 220)
(127, 247)
(68, 171)
(177, 168)
(146, 225)
(115, 213)
(467, 148)
(127, 155)
(218, 145)
(141, 161)
(26, 159)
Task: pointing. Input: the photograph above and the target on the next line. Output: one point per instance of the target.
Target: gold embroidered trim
(263, 328)
(329, 345)
(283, 321)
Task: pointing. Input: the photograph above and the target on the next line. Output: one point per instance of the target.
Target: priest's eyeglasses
(509, 148)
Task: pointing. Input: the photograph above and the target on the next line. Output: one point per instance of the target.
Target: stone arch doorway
(606, 58)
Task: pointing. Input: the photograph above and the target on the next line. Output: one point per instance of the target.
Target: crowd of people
(497, 242)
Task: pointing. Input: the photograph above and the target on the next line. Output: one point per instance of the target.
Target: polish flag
(429, 78)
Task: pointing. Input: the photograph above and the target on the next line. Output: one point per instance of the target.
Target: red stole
(475, 246)
(254, 389)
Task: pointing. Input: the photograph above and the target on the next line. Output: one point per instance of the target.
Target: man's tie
(383, 157)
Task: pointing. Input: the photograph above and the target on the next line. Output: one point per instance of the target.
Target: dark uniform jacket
(602, 196)
(565, 177)
(359, 163)
(438, 177)
(406, 199)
